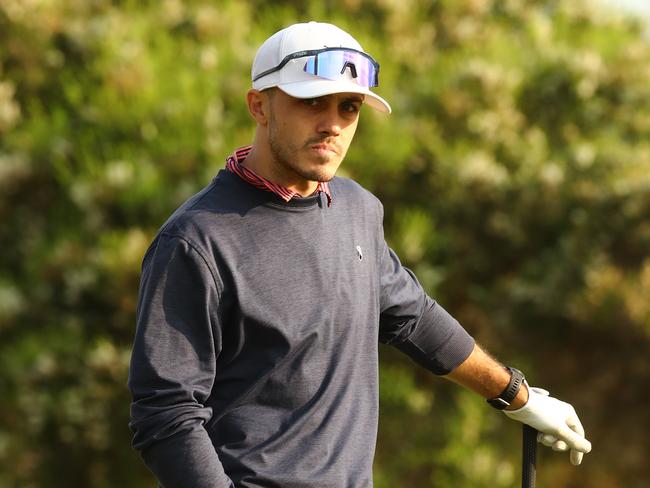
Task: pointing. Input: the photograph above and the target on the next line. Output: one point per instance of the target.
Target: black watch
(508, 395)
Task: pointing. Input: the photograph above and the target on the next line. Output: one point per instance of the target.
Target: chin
(322, 172)
(325, 175)
(326, 178)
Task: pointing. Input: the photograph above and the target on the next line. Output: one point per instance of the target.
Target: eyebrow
(354, 99)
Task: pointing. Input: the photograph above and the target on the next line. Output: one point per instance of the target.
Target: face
(308, 138)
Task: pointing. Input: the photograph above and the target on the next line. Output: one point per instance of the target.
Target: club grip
(529, 457)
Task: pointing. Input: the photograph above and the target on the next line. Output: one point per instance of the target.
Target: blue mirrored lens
(334, 64)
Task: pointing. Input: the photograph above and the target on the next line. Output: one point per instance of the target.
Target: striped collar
(234, 165)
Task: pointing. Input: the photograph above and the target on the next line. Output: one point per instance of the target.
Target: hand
(557, 422)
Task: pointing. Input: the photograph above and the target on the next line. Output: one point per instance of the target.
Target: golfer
(264, 296)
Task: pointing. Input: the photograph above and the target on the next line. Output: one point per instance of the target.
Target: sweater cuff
(438, 342)
(186, 459)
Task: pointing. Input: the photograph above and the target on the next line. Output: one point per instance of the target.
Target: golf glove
(557, 422)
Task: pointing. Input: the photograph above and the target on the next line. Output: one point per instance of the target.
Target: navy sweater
(255, 357)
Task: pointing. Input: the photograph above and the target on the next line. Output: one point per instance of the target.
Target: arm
(413, 322)
(416, 324)
(422, 329)
(557, 421)
(172, 367)
(484, 375)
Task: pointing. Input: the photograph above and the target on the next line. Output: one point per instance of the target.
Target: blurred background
(515, 172)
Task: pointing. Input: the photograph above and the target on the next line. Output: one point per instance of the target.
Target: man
(264, 296)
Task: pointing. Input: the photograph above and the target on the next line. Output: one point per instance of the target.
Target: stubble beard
(286, 156)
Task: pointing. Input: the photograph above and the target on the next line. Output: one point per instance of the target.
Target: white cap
(292, 79)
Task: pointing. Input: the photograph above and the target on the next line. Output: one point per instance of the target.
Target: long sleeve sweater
(255, 361)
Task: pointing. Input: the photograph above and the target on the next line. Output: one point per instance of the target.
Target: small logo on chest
(359, 253)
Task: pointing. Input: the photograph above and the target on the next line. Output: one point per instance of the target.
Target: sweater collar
(234, 164)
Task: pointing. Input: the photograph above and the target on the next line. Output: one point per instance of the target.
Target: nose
(330, 122)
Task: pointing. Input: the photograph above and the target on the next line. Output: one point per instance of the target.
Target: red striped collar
(234, 165)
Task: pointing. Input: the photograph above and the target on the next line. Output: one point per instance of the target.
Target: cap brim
(320, 88)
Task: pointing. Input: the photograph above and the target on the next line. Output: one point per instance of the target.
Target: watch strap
(506, 397)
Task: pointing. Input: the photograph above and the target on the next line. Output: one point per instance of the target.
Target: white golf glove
(557, 422)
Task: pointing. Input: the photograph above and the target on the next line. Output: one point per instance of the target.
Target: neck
(262, 163)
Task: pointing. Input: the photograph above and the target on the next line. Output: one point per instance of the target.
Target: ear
(259, 106)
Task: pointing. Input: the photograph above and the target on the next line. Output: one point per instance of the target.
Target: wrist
(513, 391)
(521, 399)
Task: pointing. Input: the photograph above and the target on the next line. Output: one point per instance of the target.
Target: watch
(508, 395)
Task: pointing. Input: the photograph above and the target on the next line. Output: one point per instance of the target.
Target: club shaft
(529, 457)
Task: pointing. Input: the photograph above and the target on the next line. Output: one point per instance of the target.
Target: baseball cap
(314, 59)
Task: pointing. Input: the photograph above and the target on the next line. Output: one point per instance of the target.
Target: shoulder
(192, 217)
(222, 203)
(348, 189)
(203, 216)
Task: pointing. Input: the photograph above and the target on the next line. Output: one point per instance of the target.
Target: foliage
(515, 172)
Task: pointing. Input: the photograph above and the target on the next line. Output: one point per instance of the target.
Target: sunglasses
(332, 62)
